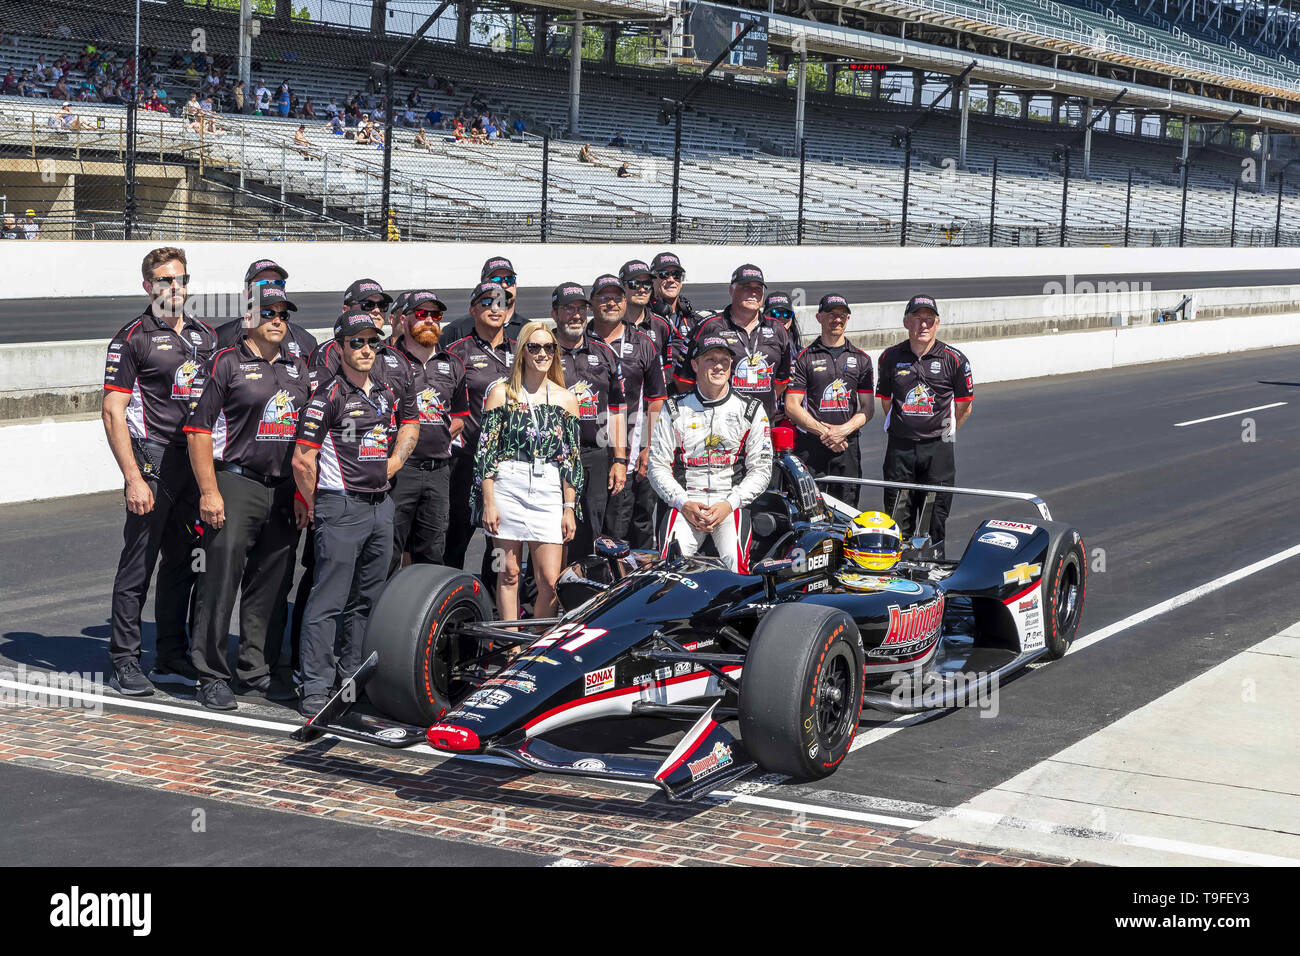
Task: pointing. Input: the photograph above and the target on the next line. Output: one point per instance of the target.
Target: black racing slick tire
(1065, 585)
(801, 691)
(408, 627)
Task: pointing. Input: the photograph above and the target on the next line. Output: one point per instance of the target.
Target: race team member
(342, 466)
(925, 389)
(149, 373)
(778, 306)
(486, 352)
(710, 457)
(829, 399)
(763, 351)
(368, 295)
(639, 285)
(629, 515)
(241, 438)
(265, 272)
(421, 490)
(591, 372)
(669, 304)
(499, 271)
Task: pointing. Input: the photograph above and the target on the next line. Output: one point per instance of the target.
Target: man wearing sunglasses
(591, 372)
(389, 368)
(149, 374)
(343, 464)
(638, 283)
(421, 490)
(241, 439)
(265, 272)
(668, 302)
(499, 271)
(486, 352)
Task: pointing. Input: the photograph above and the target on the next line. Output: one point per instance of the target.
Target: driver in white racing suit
(710, 457)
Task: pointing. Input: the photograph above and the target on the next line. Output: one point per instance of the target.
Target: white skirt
(531, 509)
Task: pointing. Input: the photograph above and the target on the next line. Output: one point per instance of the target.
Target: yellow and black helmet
(873, 542)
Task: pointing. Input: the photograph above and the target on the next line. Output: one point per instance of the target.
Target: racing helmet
(872, 542)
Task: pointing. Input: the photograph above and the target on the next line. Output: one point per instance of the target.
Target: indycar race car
(787, 655)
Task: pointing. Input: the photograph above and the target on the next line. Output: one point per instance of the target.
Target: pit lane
(1170, 508)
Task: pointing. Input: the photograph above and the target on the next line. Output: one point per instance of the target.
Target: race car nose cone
(453, 738)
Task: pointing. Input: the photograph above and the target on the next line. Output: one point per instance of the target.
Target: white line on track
(1240, 411)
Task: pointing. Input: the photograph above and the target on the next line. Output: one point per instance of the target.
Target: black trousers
(250, 555)
(630, 515)
(460, 526)
(163, 537)
(354, 544)
(923, 463)
(595, 501)
(421, 505)
(300, 598)
(821, 461)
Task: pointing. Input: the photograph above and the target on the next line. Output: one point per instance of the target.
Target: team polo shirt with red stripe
(593, 375)
(922, 389)
(485, 365)
(641, 366)
(661, 333)
(439, 393)
(762, 361)
(250, 407)
(354, 432)
(157, 368)
(835, 382)
(390, 366)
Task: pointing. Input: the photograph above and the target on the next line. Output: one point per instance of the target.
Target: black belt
(428, 464)
(269, 480)
(370, 497)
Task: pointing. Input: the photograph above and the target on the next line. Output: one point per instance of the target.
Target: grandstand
(1193, 87)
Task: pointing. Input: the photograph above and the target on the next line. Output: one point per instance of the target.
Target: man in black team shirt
(149, 373)
(487, 353)
(762, 368)
(342, 466)
(669, 304)
(591, 372)
(499, 271)
(926, 391)
(241, 438)
(639, 286)
(829, 399)
(260, 274)
(421, 490)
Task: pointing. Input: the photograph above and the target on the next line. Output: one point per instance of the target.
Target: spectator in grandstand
(10, 229)
(490, 130)
(618, 141)
(207, 106)
(527, 470)
(59, 91)
(433, 117)
(239, 98)
(300, 139)
(191, 107)
(409, 118)
(458, 132)
(668, 302)
(26, 87)
(926, 391)
(31, 228)
(332, 107)
(520, 128)
(284, 99)
(263, 98)
(335, 126)
(9, 87)
(585, 155)
(829, 399)
(365, 134)
(40, 70)
(378, 114)
(65, 119)
(308, 111)
(422, 141)
(624, 172)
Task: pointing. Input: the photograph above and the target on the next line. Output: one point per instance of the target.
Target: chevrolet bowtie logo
(1021, 573)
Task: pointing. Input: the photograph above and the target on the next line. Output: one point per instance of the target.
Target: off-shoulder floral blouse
(508, 435)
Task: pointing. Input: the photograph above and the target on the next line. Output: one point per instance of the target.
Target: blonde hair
(515, 384)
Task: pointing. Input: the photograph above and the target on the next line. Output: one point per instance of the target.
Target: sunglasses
(359, 342)
(372, 304)
(638, 285)
(419, 314)
(491, 301)
(783, 314)
(537, 348)
(278, 283)
(181, 280)
(674, 274)
(272, 313)
(502, 280)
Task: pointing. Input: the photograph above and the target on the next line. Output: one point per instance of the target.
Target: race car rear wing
(851, 513)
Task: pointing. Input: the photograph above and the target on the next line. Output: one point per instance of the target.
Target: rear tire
(801, 691)
(408, 628)
(1065, 585)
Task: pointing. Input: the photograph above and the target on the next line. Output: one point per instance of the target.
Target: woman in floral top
(527, 470)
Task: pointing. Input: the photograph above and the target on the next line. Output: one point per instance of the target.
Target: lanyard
(537, 429)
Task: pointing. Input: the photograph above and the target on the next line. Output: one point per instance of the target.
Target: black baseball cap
(490, 288)
(399, 304)
(748, 273)
(424, 297)
(604, 282)
(665, 261)
(834, 300)
(632, 270)
(708, 342)
(262, 265)
(777, 300)
(271, 295)
(921, 302)
(354, 322)
(495, 264)
(567, 292)
(363, 289)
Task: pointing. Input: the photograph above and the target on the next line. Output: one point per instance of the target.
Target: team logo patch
(279, 418)
(919, 401)
(183, 381)
(373, 445)
(718, 758)
(430, 405)
(1001, 539)
(836, 397)
(753, 373)
(588, 405)
(934, 368)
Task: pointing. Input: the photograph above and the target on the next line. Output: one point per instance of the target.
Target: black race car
(791, 653)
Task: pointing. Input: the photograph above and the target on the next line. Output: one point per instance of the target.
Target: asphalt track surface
(27, 320)
(1170, 508)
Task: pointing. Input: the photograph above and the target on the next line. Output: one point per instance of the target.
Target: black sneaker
(179, 672)
(216, 695)
(257, 687)
(311, 706)
(129, 680)
(282, 690)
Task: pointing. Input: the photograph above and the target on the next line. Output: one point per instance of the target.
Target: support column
(1024, 105)
(801, 94)
(575, 74)
(611, 44)
(1087, 139)
(539, 37)
(876, 76)
(1164, 125)
(1057, 100)
(963, 103)
(378, 16)
(832, 78)
(918, 82)
(992, 104)
(1263, 157)
(246, 46)
(1187, 132)
(463, 10)
(1114, 117)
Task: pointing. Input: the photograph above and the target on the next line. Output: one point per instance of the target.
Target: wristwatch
(620, 461)
(570, 504)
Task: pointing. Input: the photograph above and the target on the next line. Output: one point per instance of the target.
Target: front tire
(409, 627)
(1065, 586)
(801, 692)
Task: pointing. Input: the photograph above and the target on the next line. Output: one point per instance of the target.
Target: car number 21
(573, 635)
